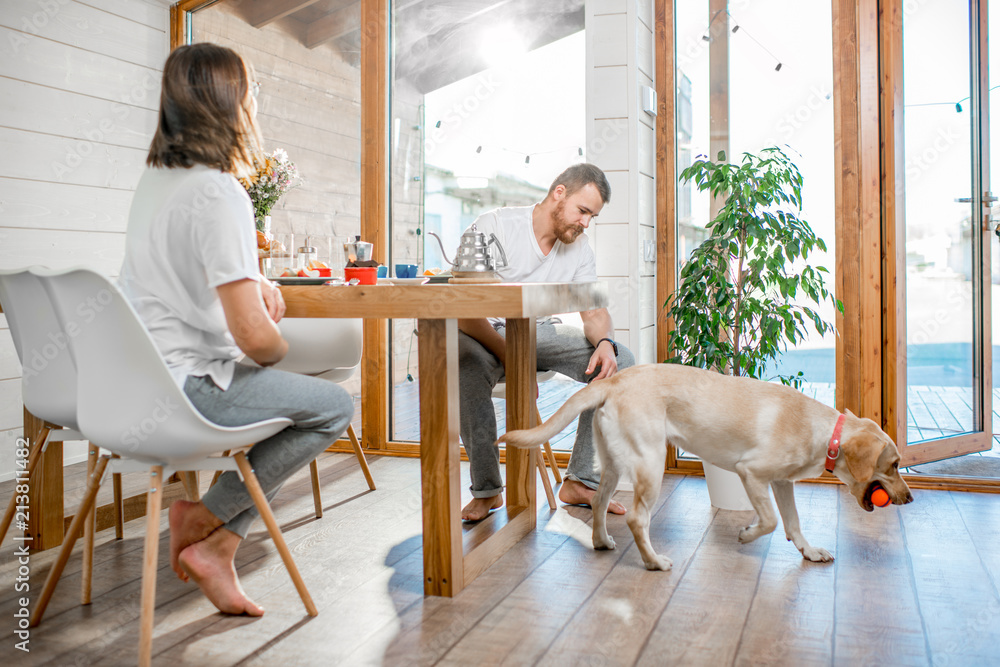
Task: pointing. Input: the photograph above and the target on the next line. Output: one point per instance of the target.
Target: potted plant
(748, 291)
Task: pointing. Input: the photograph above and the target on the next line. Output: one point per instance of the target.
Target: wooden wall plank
(28, 106)
(68, 68)
(61, 249)
(147, 12)
(10, 366)
(65, 160)
(86, 28)
(42, 205)
(10, 403)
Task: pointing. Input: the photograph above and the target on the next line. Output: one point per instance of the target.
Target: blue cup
(406, 270)
(383, 271)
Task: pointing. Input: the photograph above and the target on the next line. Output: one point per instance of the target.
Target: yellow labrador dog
(767, 433)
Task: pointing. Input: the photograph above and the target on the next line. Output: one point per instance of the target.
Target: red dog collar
(833, 451)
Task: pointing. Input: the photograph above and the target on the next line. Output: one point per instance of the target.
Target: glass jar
(305, 255)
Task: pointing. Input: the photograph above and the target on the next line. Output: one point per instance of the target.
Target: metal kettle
(473, 256)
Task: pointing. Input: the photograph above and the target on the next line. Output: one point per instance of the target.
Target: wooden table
(452, 558)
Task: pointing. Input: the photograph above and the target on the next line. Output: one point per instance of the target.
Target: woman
(190, 271)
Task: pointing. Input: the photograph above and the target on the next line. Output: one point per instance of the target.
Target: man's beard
(567, 232)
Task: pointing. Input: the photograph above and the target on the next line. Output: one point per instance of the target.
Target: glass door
(948, 234)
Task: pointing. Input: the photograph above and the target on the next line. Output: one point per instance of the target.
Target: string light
(708, 35)
(528, 156)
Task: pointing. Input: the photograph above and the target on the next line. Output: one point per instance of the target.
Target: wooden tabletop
(444, 301)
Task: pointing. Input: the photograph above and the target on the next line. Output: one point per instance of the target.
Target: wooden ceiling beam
(263, 12)
(347, 20)
(336, 24)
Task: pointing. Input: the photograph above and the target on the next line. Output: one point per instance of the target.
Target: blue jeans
(561, 348)
(320, 411)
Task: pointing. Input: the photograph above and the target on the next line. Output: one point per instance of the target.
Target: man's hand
(273, 301)
(604, 356)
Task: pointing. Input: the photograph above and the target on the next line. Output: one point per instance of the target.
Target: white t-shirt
(189, 231)
(526, 263)
(565, 263)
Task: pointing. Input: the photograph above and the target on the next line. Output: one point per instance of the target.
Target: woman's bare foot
(209, 563)
(480, 508)
(189, 523)
(578, 493)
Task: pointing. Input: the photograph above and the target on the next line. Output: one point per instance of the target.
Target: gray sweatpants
(320, 411)
(561, 348)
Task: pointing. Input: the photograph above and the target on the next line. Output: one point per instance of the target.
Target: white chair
(129, 404)
(330, 349)
(48, 387)
(500, 392)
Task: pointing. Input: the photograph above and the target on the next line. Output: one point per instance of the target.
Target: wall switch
(649, 100)
(648, 251)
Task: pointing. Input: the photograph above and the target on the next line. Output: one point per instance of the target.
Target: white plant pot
(725, 489)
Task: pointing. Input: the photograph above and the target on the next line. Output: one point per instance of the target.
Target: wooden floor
(916, 585)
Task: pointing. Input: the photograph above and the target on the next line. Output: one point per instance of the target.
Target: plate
(288, 280)
(408, 281)
(439, 278)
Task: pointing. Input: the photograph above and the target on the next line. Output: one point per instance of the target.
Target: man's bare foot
(578, 493)
(479, 508)
(209, 563)
(189, 523)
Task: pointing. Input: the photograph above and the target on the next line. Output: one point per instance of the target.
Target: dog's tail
(592, 396)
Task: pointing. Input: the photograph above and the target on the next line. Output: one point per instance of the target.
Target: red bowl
(366, 275)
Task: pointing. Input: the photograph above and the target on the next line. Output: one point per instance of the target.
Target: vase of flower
(275, 176)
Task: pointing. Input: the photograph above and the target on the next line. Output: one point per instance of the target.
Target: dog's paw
(817, 555)
(658, 562)
(748, 534)
(602, 543)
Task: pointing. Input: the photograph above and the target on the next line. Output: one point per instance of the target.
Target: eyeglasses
(254, 89)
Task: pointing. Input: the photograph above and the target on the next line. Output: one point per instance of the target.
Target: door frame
(982, 354)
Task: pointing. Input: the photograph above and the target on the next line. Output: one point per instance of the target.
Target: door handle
(988, 199)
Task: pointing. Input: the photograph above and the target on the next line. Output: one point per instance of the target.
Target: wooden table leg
(45, 495)
(439, 457)
(520, 371)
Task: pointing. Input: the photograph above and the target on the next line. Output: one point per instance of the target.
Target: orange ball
(880, 497)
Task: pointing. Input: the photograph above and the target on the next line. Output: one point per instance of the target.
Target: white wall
(621, 140)
(79, 89)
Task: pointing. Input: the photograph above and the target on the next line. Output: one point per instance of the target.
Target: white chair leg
(189, 478)
(540, 461)
(260, 501)
(154, 502)
(317, 499)
(362, 461)
(70, 539)
(548, 451)
(87, 574)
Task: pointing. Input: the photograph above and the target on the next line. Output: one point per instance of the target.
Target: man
(543, 244)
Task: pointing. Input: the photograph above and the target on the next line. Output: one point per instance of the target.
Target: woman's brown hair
(205, 112)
